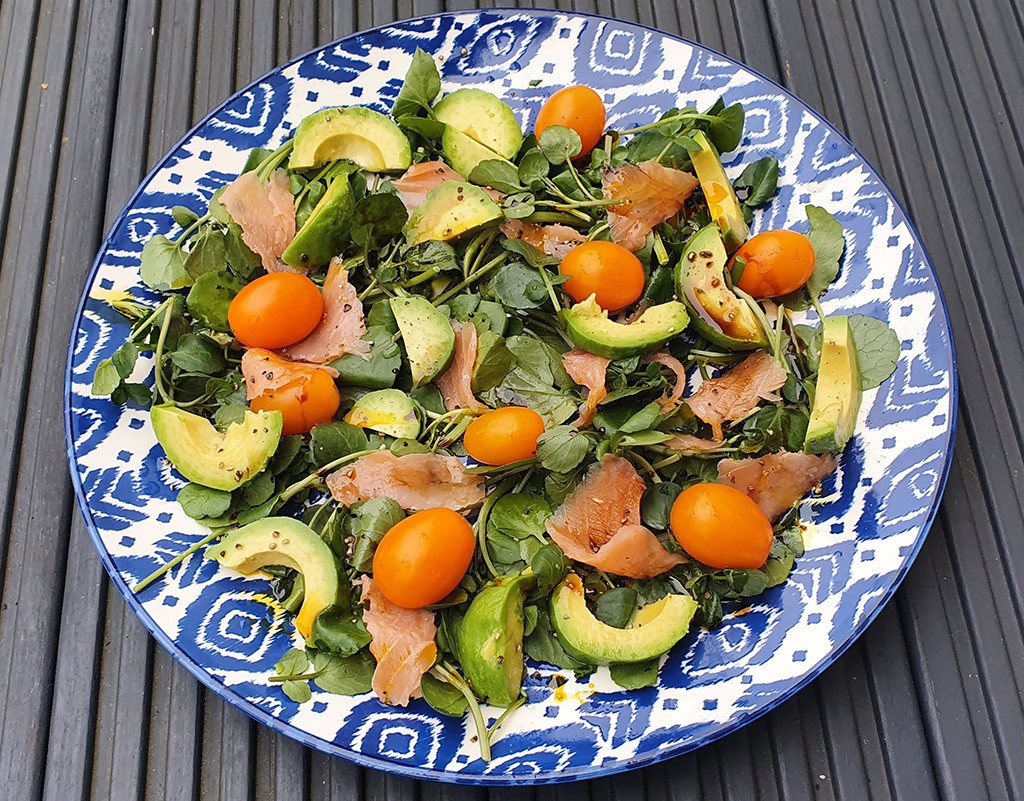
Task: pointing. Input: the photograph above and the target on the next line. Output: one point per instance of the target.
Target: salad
(465, 396)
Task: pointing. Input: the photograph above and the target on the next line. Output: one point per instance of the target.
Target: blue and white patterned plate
(870, 523)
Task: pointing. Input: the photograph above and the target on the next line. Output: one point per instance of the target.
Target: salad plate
(868, 524)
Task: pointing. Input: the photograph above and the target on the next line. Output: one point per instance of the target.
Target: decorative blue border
(573, 774)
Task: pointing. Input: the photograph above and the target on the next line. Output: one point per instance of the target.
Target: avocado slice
(837, 392)
(483, 118)
(450, 210)
(490, 640)
(361, 135)
(653, 631)
(325, 231)
(464, 153)
(428, 337)
(286, 542)
(588, 326)
(721, 197)
(719, 315)
(204, 455)
(387, 411)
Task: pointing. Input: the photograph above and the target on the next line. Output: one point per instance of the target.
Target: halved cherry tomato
(276, 310)
(721, 527)
(606, 270)
(576, 107)
(777, 263)
(504, 436)
(423, 558)
(304, 402)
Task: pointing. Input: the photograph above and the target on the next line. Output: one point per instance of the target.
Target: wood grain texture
(928, 704)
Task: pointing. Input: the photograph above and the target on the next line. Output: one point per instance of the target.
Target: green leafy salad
(461, 396)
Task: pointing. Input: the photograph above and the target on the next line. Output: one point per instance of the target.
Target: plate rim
(284, 728)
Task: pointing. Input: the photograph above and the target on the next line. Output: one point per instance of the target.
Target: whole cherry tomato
(576, 107)
(504, 436)
(721, 527)
(424, 557)
(606, 270)
(777, 263)
(276, 310)
(308, 400)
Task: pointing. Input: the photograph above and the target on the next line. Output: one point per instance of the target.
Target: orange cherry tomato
(606, 270)
(777, 263)
(304, 402)
(423, 558)
(721, 527)
(576, 107)
(276, 310)
(504, 436)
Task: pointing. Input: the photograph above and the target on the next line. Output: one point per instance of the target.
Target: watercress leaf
(208, 253)
(533, 169)
(257, 490)
(518, 206)
(522, 388)
(549, 567)
(314, 194)
(344, 675)
(498, 174)
(298, 691)
(367, 523)
(827, 240)
(878, 349)
(759, 180)
(635, 675)
(810, 338)
(559, 144)
(377, 218)
(330, 441)
(726, 130)
(429, 397)
(242, 261)
(533, 256)
(287, 453)
(251, 515)
(776, 428)
(138, 393)
(616, 606)
(198, 501)
(657, 145)
(421, 85)
(558, 486)
(196, 353)
(381, 315)
(656, 504)
(519, 287)
(124, 359)
(163, 265)
(562, 448)
(442, 697)
(106, 378)
(431, 129)
(211, 295)
(519, 515)
(529, 619)
(642, 420)
(338, 631)
(493, 362)
(643, 439)
(540, 360)
(431, 255)
(777, 569)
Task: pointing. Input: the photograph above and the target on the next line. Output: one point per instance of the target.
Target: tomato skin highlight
(609, 271)
(424, 557)
(576, 107)
(777, 263)
(504, 436)
(721, 527)
(304, 402)
(276, 310)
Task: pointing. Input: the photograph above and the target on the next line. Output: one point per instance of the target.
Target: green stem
(551, 289)
(158, 358)
(647, 466)
(271, 162)
(481, 254)
(369, 289)
(817, 307)
(184, 235)
(658, 123)
(449, 674)
(455, 290)
(553, 217)
(481, 521)
(504, 715)
(147, 322)
(762, 318)
(422, 278)
(659, 250)
(579, 181)
(295, 677)
(181, 557)
(779, 323)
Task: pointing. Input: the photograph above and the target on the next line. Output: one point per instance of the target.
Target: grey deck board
(929, 704)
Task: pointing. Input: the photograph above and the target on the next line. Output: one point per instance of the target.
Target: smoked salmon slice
(647, 195)
(587, 370)
(599, 524)
(456, 383)
(264, 370)
(265, 211)
(666, 359)
(554, 240)
(342, 327)
(736, 393)
(777, 481)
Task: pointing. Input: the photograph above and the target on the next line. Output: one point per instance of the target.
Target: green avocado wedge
(837, 392)
(204, 455)
(360, 135)
(719, 314)
(653, 630)
(286, 542)
(721, 197)
(428, 337)
(387, 411)
(589, 327)
(326, 231)
(490, 640)
(450, 210)
(483, 118)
